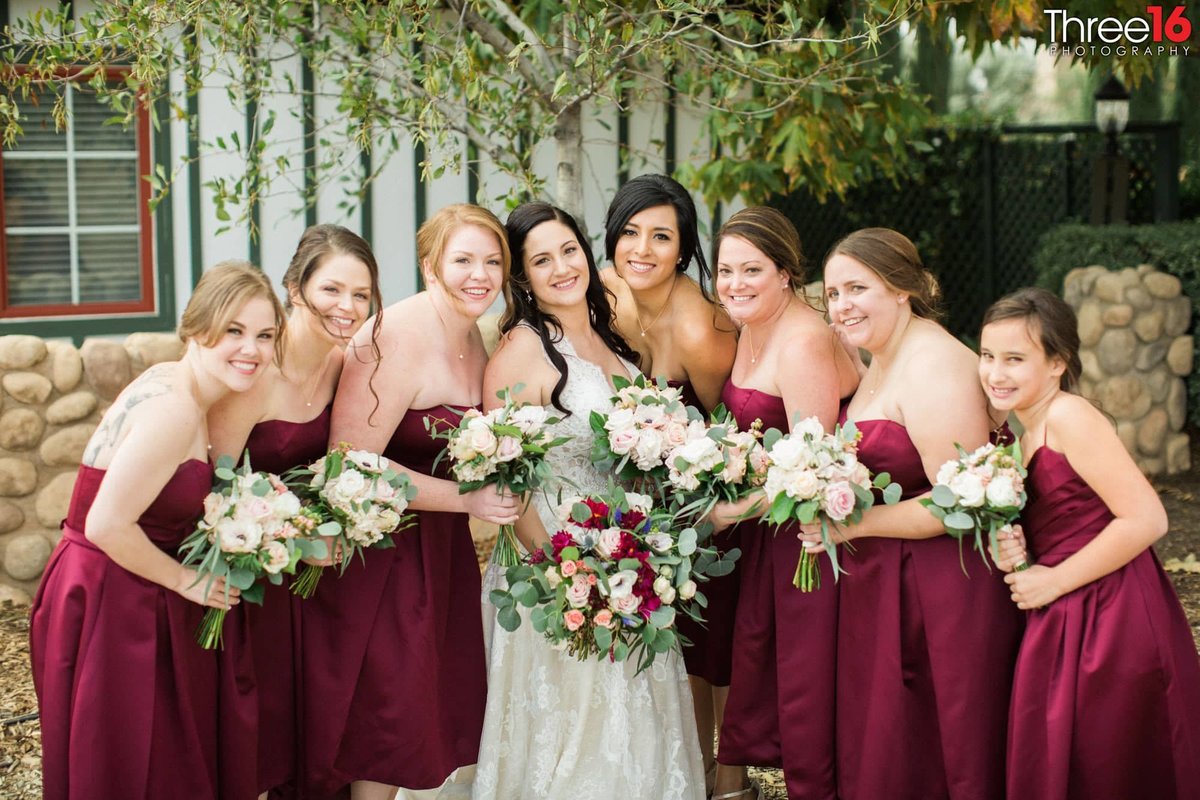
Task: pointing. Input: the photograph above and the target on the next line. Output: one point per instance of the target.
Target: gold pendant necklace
(666, 303)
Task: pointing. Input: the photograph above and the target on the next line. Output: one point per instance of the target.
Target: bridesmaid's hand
(333, 557)
(1033, 588)
(810, 535)
(1010, 550)
(724, 515)
(489, 504)
(199, 589)
(851, 349)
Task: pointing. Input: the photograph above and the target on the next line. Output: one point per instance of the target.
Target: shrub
(1172, 247)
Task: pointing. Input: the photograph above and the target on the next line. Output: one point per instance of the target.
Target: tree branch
(538, 84)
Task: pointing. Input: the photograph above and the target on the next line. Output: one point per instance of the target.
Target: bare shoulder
(699, 324)
(934, 351)
(157, 399)
(803, 328)
(403, 322)
(1073, 419)
(520, 343)
(614, 282)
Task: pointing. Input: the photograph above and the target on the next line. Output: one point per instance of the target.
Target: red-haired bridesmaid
(128, 699)
(1106, 696)
(393, 659)
(283, 422)
(926, 640)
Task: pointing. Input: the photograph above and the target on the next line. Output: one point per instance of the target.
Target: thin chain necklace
(667, 302)
(754, 354)
(309, 388)
(445, 328)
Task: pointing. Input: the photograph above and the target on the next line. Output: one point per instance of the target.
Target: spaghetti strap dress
(780, 711)
(926, 647)
(711, 652)
(395, 679)
(1106, 696)
(128, 699)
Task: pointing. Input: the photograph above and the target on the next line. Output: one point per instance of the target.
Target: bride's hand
(489, 504)
(726, 514)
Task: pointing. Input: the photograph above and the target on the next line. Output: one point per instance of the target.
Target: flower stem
(505, 554)
(808, 576)
(211, 627)
(306, 582)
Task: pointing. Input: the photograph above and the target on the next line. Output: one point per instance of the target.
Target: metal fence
(978, 202)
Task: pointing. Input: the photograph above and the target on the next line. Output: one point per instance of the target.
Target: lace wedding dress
(561, 729)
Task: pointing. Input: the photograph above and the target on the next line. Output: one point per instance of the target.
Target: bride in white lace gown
(557, 728)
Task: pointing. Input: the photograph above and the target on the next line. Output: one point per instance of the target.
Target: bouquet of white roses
(980, 491)
(253, 528)
(505, 447)
(360, 499)
(716, 462)
(817, 475)
(647, 421)
(611, 582)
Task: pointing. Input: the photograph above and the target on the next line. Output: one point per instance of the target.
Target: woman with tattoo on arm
(283, 422)
(127, 697)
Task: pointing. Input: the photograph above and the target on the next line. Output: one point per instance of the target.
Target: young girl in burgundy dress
(1106, 695)
(128, 699)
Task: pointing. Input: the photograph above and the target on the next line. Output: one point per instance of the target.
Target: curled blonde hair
(219, 295)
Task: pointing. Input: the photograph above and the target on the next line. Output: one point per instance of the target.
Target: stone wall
(53, 397)
(1135, 355)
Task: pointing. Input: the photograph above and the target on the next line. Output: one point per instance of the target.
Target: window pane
(108, 267)
(106, 192)
(35, 192)
(38, 126)
(38, 270)
(90, 131)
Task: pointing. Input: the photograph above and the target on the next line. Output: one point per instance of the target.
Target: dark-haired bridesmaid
(1106, 695)
(283, 422)
(926, 640)
(651, 238)
(392, 651)
(127, 698)
(789, 366)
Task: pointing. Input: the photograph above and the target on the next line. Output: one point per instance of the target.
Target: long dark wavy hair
(523, 307)
(648, 191)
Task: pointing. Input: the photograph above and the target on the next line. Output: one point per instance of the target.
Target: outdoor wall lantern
(1110, 174)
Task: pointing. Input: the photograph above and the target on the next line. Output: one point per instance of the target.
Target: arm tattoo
(154, 382)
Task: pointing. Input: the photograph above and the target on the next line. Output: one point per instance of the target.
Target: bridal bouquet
(715, 462)
(817, 475)
(253, 527)
(647, 421)
(505, 447)
(360, 499)
(611, 582)
(980, 491)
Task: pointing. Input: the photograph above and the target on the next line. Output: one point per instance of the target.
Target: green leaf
(944, 496)
(891, 495)
(240, 578)
(687, 541)
(508, 618)
(959, 521)
(603, 637)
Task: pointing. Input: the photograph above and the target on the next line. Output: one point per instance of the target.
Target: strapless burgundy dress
(395, 681)
(781, 703)
(710, 654)
(260, 692)
(128, 699)
(925, 655)
(1106, 697)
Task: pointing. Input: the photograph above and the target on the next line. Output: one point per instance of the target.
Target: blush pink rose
(603, 618)
(508, 449)
(568, 568)
(578, 592)
(627, 605)
(837, 501)
(573, 619)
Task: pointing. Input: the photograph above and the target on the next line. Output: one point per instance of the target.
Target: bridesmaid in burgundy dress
(1106, 696)
(392, 651)
(651, 239)
(283, 422)
(780, 710)
(128, 700)
(925, 652)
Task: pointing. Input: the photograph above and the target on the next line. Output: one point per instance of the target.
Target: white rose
(287, 505)
(620, 585)
(481, 438)
(215, 506)
(688, 590)
(1001, 492)
(508, 449)
(349, 485)
(789, 452)
(461, 450)
(803, 485)
(969, 489)
(648, 451)
(668, 596)
(553, 578)
(275, 557)
(703, 452)
(608, 541)
(578, 592)
(684, 481)
(626, 604)
(619, 419)
(947, 472)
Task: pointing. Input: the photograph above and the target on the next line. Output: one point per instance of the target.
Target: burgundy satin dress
(261, 692)
(128, 699)
(1106, 696)
(711, 652)
(781, 703)
(925, 655)
(395, 680)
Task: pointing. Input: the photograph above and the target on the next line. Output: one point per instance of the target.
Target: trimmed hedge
(1172, 247)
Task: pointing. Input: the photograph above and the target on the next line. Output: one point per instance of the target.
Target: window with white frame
(74, 223)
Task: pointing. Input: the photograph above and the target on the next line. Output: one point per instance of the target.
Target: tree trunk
(568, 141)
(934, 60)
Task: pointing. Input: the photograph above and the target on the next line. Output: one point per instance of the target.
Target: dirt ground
(20, 742)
